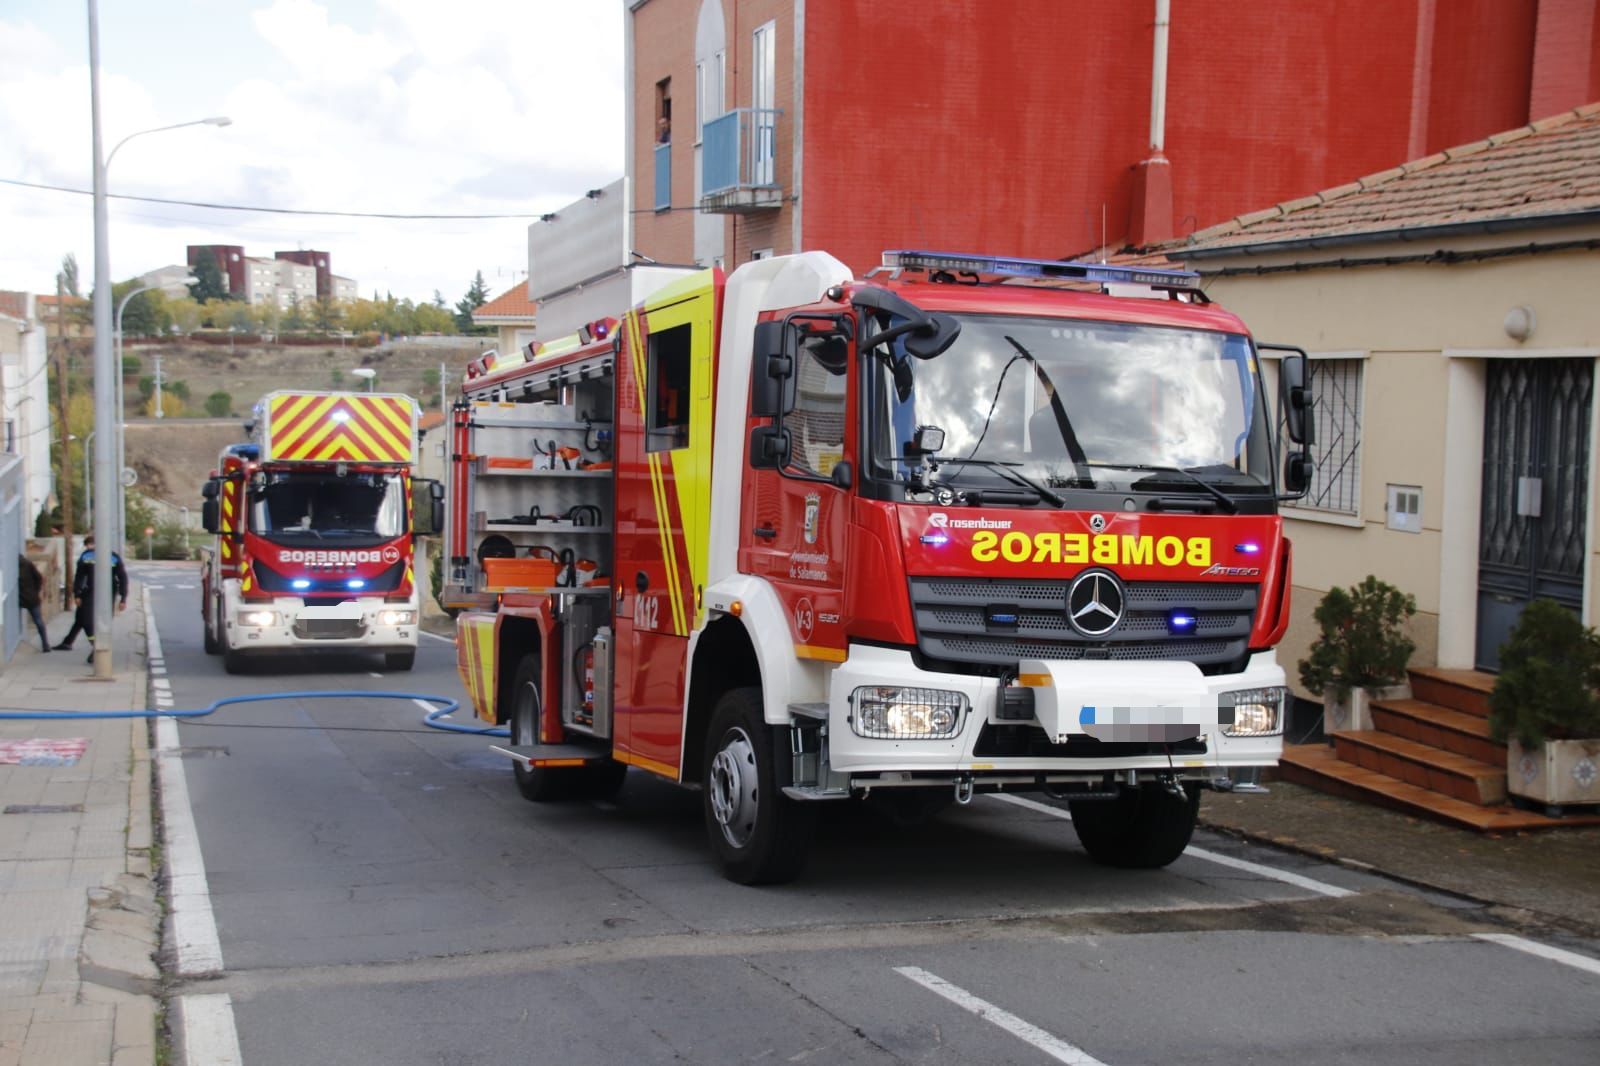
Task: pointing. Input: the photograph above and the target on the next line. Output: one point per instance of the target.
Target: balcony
(738, 158)
(663, 176)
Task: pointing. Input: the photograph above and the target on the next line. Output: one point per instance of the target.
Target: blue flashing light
(1182, 621)
(1002, 618)
(937, 540)
(1248, 548)
(355, 583)
(300, 584)
(1006, 266)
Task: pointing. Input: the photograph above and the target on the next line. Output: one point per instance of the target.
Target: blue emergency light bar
(1005, 266)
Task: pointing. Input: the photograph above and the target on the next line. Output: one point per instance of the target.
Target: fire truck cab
(964, 525)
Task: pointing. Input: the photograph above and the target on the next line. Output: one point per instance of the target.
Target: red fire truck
(314, 524)
(964, 525)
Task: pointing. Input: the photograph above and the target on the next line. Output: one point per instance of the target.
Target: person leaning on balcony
(663, 130)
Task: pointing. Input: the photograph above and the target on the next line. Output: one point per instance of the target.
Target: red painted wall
(1017, 127)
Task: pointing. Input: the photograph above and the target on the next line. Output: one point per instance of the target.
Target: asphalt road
(383, 895)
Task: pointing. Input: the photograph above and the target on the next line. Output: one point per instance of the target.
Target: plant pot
(1556, 773)
(1355, 710)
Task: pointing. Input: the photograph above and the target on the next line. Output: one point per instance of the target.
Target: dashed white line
(435, 636)
(1298, 880)
(1544, 951)
(1048, 1043)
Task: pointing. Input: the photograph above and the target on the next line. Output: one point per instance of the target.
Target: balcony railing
(738, 158)
(663, 176)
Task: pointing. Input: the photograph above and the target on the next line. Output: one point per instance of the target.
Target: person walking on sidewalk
(30, 594)
(83, 592)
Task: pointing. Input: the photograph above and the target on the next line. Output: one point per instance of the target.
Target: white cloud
(483, 106)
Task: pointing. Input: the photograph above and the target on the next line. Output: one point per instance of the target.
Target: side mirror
(772, 372)
(211, 489)
(940, 333)
(1294, 387)
(1297, 471)
(427, 510)
(769, 447)
(211, 516)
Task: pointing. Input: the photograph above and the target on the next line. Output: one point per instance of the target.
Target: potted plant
(1361, 653)
(1545, 709)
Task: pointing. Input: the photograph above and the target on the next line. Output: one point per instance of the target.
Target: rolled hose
(446, 706)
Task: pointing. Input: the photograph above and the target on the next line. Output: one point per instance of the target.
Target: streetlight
(365, 372)
(122, 410)
(106, 373)
(88, 486)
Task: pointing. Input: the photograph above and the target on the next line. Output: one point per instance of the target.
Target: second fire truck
(967, 524)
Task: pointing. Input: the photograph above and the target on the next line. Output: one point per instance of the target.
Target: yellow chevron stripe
(385, 443)
(316, 424)
(285, 408)
(289, 428)
(358, 430)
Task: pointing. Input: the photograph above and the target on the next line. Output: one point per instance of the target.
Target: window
(763, 99)
(1336, 450)
(818, 420)
(664, 111)
(708, 79)
(760, 253)
(666, 406)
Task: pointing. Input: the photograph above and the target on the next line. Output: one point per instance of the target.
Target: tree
(219, 404)
(209, 284)
(179, 388)
(69, 274)
(145, 315)
(326, 314)
(295, 319)
(185, 314)
(147, 386)
(475, 298)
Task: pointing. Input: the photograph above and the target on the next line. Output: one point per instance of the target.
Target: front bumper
(1063, 692)
(354, 625)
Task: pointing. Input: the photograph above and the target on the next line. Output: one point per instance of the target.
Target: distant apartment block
(287, 278)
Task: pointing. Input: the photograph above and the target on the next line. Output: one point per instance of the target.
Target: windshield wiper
(1004, 470)
(1223, 498)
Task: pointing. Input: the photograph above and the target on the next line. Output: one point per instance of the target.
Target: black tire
(538, 784)
(233, 662)
(1143, 829)
(212, 645)
(761, 836)
(399, 660)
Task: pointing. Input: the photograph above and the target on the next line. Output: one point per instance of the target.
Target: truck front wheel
(538, 784)
(399, 660)
(760, 835)
(1144, 828)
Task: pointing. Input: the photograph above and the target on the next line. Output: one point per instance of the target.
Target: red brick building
(1027, 126)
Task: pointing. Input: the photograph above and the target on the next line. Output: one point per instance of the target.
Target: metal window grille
(1336, 453)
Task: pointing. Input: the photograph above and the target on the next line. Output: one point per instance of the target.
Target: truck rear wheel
(760, 835)
(538, 784)
(1142, 829)
(399, 660)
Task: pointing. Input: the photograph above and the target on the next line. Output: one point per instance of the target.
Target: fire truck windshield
(1080, 405)
(356, 509)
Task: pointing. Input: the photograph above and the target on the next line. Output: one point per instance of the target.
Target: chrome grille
(328, 628)
(951, 623)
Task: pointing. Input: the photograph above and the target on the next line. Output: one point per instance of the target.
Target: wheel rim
(735, 792)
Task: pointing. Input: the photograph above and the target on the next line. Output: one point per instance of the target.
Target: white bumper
(1071, 699)
(289, 624)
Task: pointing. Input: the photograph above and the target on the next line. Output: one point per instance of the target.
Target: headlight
(1257, 712)
(397, 618)
(883, 712)
(258, 618)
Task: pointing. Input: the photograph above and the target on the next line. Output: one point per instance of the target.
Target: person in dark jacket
(30, 593)
(83, 592)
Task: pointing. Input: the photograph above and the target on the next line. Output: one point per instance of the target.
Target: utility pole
(158, 386)
(444, 381)
(65, 478)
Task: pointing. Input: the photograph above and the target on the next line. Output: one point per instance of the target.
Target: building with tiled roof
(1448, 304)
(512, 314)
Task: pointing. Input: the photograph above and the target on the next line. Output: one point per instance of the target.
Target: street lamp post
(365, 372)
(88, 485)
(122, 409)
(105, 370)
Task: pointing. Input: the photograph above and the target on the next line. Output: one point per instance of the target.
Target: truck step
(553, 754)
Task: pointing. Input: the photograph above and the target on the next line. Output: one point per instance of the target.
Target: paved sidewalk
(80, 925)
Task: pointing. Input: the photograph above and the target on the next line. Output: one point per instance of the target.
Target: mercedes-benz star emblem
(1095, 603)
(1097, 523)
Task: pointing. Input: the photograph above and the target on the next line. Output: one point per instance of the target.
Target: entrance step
(1466, 691)
(531, 755)
(1317, 766)
(1446, 772)
(1439, 727)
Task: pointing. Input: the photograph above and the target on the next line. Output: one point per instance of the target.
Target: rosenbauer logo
(940, 520)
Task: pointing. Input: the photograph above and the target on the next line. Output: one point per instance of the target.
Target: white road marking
(1298, 880)
(1051, 1045)
(435, 636)
(430, 708)
(198, 948)
(372, 674)
(186, 588)
(209, 1037)
(1544, 951)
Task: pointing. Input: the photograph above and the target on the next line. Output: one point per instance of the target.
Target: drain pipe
(1151, 220)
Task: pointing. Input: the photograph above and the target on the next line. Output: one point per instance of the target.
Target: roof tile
(513, 303)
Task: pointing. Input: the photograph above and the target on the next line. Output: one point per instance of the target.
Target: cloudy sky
(395, 106)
